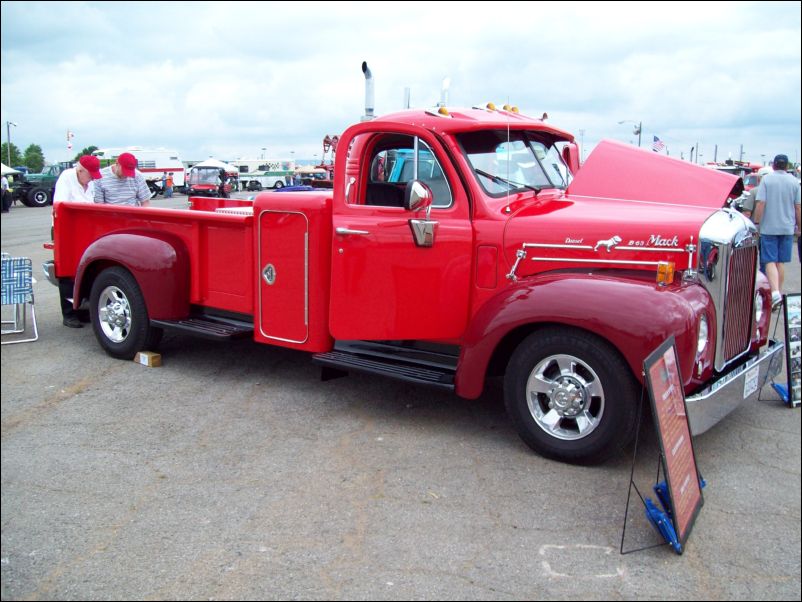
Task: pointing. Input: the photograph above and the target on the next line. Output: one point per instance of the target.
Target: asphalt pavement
(232, 472)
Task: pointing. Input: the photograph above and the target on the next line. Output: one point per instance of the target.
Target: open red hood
(621, 171)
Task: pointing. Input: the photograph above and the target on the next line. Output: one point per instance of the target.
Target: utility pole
(8, 134)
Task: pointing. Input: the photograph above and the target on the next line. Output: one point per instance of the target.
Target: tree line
(33, 158)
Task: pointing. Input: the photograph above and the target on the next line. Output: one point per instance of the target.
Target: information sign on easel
(684, 492)
(793, 347)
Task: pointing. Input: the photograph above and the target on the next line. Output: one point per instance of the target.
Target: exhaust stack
(368, 92)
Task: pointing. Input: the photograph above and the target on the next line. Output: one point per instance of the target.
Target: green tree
(16, 159)
(34, 158)
(87, 151)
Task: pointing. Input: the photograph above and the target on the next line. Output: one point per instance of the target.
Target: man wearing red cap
(122, 184)
(77, 185)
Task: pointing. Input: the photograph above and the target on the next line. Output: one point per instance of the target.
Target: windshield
(504, 161)
(205, 176)
(751, 180)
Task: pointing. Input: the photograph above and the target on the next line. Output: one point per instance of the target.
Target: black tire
(253, 185)
(571, 396)
(279, 184)
(39, 197)
(119, 315)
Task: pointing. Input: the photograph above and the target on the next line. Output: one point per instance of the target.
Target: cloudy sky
(229, 79)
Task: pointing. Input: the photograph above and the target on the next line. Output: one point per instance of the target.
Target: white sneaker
(776, 300)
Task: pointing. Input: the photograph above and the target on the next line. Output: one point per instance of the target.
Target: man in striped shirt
(122, 184)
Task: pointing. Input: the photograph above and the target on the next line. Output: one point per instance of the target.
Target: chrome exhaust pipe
(368, 92)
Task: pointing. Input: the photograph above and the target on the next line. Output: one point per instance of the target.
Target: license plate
(750, 381)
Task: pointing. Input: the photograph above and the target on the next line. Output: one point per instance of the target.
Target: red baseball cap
(92, 165)
(127, 163)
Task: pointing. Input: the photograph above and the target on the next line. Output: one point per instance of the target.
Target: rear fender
(634, 315)
(158, 261)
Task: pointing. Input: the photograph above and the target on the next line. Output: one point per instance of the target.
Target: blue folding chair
(17, 291)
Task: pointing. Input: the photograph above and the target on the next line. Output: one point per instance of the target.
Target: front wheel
(571, 396)
(39, 197)
(119, 315)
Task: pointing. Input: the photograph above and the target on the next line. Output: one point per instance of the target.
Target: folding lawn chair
(17, 291)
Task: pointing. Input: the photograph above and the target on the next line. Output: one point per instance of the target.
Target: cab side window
(392, 166)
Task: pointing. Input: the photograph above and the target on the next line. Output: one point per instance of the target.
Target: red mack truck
(491, 253)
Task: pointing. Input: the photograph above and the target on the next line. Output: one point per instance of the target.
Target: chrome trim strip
(306, 275)
(614, 261)
(539, 245)
(658, 249)
(590, 247)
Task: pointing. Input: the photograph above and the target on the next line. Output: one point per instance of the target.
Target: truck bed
(226, 248)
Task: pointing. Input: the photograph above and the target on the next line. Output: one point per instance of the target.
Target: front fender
(633, 314)
(158, 261)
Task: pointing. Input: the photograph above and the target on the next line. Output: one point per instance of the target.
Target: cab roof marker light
(440, 112)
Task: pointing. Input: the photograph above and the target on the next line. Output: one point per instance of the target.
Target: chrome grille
(727, 267)
(738, 304)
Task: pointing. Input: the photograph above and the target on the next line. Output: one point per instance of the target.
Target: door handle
(348, 232)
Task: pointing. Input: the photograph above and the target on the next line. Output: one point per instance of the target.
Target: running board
(208, 328)
(441, 378)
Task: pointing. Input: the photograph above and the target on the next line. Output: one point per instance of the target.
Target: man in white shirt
(77, 185)
(6, 195)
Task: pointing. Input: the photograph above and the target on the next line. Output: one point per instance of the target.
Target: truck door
(384, 285)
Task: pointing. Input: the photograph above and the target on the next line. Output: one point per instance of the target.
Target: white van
(152, 162)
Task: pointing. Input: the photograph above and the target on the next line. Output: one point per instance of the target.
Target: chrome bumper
(710, 405)
(49, 268)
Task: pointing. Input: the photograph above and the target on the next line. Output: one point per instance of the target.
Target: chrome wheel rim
(114, 313)
(565, 397)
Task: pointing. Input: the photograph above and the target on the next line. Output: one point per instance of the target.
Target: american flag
(658, 145)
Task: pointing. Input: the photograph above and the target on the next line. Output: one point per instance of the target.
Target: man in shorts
(777, 216)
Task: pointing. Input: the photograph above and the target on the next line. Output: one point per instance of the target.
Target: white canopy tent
(9, 171)
(229, 169)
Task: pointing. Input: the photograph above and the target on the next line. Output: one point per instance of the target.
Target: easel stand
(659, 515)
(790, 315)
(633, 485)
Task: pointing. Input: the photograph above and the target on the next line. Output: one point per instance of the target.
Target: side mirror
(417, 196)
(571, 157)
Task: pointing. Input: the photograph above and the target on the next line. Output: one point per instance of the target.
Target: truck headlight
(704, 331)
(758, 307)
